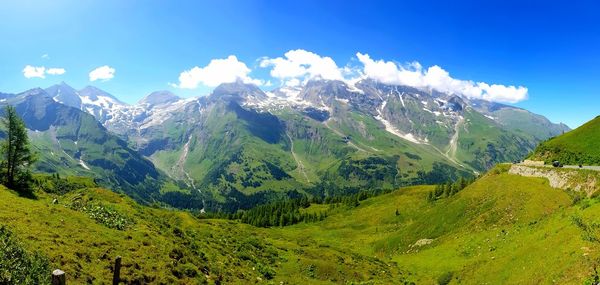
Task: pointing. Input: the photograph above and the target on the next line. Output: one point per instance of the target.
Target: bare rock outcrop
(562, 178)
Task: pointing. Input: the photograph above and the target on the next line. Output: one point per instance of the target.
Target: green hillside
(579, 146)
(502, 229)
(482, 142)
(238, 157)
(88, 227)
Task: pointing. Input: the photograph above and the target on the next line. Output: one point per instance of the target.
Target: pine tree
(16, 154)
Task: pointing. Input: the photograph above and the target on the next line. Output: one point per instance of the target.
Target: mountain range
(240, 145)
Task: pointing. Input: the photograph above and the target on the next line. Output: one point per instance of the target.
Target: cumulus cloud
(41, 71)
(34, 71)
(226, 70)
(439, 79)
(55, 71)
(103, 73)
(300, 65)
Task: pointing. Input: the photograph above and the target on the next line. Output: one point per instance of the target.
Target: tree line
(289, 211)
(449, 189)
(279, 213)
(16, 156)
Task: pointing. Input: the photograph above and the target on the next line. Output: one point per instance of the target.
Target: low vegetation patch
(18, 266)
(103, 214)
(54, 184)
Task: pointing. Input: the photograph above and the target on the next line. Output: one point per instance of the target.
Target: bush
(445, 278)
(103, 214)
(265, 270)
(17, 266)
(54, 184)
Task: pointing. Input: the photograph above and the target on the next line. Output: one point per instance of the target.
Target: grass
(579, 146)
(502, 229)
(173, 247)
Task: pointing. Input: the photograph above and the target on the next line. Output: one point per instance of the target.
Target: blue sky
(552, 49)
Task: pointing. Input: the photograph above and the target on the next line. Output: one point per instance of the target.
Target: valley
(299, 142)
(366, 221)
(371, 216)
(213, 148)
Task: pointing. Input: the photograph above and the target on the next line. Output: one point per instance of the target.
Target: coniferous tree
(17, 157)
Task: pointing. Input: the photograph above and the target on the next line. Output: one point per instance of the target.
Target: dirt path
(298, 162)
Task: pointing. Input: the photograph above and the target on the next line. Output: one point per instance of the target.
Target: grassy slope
(581, 145)
(172, 247)
(239, 149)
(482, 143)
(525, 122)
(501, 229)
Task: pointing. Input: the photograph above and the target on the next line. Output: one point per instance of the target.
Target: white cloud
(103, 73)
(439, 79)
(301, 65)
(34, 71)
(226, 70)
(41, 71)
(45, 56)
(55, 71)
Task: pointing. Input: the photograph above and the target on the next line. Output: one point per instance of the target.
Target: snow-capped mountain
(417, 116)
(95, 101)
(367, 134)
(158, 98)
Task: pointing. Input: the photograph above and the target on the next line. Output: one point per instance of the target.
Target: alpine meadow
(299, 142)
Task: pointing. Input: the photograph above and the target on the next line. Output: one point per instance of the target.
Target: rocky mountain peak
(238, 91)
(65, 94)
(159, 98)
(93, 93)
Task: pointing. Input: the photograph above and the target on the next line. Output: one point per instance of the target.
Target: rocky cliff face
(586, 181)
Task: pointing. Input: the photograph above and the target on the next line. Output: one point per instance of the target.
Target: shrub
(103, 214)
(17, 266)
(265, 270)
(445, 278)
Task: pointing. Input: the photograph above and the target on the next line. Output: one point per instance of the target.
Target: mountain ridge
(241, 145)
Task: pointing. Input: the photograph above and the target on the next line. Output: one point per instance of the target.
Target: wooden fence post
(117, 272)
(58, 277)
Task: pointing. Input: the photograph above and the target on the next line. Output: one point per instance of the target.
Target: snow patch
(83, 164)
(345, 101)
(402, 100)
(390, 128)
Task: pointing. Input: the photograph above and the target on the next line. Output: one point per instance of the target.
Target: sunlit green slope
(503, 229)
(579, 146)
(86, 229)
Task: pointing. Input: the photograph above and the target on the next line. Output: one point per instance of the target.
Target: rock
(422, 242)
